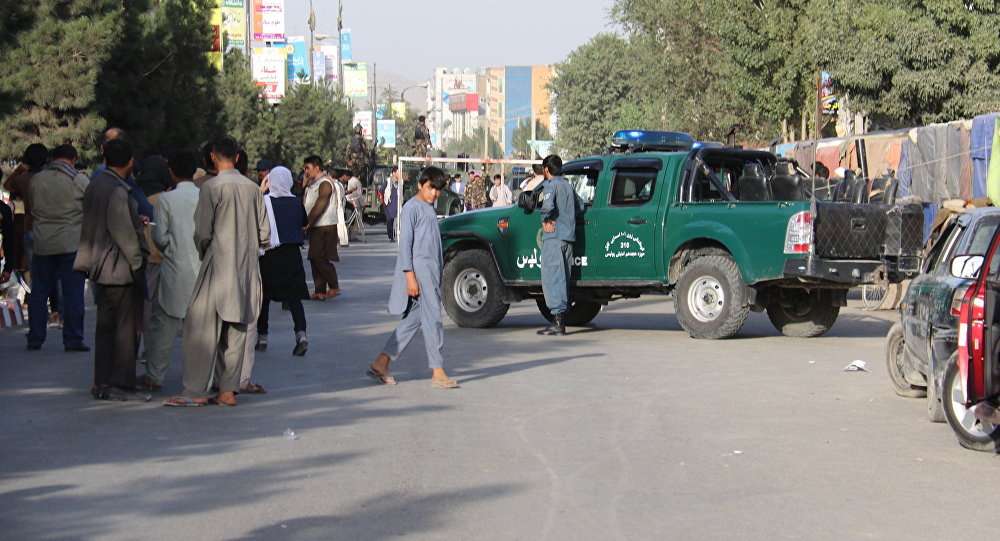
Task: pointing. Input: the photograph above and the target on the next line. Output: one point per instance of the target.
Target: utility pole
(312, 60)
(340, 45)
(374, 107)
(819, 116)
(531, 149)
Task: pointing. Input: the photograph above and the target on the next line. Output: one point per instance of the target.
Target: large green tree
(51, 56)
(244, 113)
(909, 62)
(313, 119)
(589, 90)
(159, 84)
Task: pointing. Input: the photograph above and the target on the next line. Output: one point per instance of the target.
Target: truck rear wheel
(471, 290)
(578, 314)
(711, 298)
(807, 317)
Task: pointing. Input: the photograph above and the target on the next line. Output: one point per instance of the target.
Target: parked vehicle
(727, 231)
(919, 347)
(447, 204)
(971, 383)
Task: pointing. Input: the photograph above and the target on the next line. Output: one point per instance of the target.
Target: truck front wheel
(471, 290)
(711, 298)
(578, 314)
(807, 316)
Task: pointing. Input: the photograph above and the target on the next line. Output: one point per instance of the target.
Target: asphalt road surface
(626, 429)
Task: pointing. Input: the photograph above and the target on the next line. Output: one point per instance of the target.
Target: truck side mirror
(528, 201)
(966, 266)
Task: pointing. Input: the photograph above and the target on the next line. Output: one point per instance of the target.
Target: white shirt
(353, 184)
(501, 195)
(531, 183)
(330, 215)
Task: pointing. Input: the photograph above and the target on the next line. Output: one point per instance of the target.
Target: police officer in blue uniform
(559, 206)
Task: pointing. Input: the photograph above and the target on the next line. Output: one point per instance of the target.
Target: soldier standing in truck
(421, 138)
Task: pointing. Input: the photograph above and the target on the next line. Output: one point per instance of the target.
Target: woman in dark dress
(282, 275)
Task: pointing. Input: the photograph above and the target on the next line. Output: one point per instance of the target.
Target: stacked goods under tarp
(935, 166)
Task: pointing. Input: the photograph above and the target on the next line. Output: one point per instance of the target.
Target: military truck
(726, 231)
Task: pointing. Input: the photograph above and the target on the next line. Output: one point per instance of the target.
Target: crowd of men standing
(168, 242)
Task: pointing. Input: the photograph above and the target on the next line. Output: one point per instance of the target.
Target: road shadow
(391, 515)
(470, 375)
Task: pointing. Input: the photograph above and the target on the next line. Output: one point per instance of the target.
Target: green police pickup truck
(726, 231)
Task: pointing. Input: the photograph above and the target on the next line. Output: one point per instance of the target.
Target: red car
(971, 386)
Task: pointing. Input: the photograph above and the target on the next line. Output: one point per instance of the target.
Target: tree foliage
(158, 84)
(589, 89)
(704, 66)
(50, 61)
(313, 119)
(244, 113)
(472, 145)
(71, 68)
(521, 135)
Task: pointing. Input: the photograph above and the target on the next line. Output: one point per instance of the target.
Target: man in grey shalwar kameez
(230, 226)
(416, 287)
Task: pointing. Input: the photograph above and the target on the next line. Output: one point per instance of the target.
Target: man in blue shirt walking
(558, 235)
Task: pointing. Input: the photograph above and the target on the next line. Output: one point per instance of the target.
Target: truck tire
(471, 290)
(711, 298)
(456, 208)
(578, 314)
(895, 365)
(971, 432)
(809, 318)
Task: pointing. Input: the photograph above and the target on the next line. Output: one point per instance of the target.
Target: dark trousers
(47, 273)
(116, 336)
(390, 228)
(294, 306)
(324, 274)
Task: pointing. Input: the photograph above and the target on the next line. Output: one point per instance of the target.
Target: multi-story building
(499, 97)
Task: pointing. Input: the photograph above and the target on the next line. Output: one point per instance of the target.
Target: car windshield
(981, 237)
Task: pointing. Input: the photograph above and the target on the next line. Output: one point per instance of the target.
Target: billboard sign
(270, 73)
(298, 64)
(387, 132)
(269, 20)
(234, 23)
(356, 80)
(345, 45)
(329, 63)
(365, 119)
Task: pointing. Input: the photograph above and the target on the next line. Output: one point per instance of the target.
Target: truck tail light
(798, 236)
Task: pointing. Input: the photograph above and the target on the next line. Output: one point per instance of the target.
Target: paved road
(627, 429)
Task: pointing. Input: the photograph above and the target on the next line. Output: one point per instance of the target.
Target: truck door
(625, 237)
(525, 237)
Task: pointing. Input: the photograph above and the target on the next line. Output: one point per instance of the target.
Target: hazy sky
(412, 37)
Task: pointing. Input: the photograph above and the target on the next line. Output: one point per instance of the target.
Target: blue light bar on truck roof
(652, 140)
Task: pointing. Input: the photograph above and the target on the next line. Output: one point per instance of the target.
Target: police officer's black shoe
(557, 327)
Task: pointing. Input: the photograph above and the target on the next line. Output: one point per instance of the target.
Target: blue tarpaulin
(980, 147)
